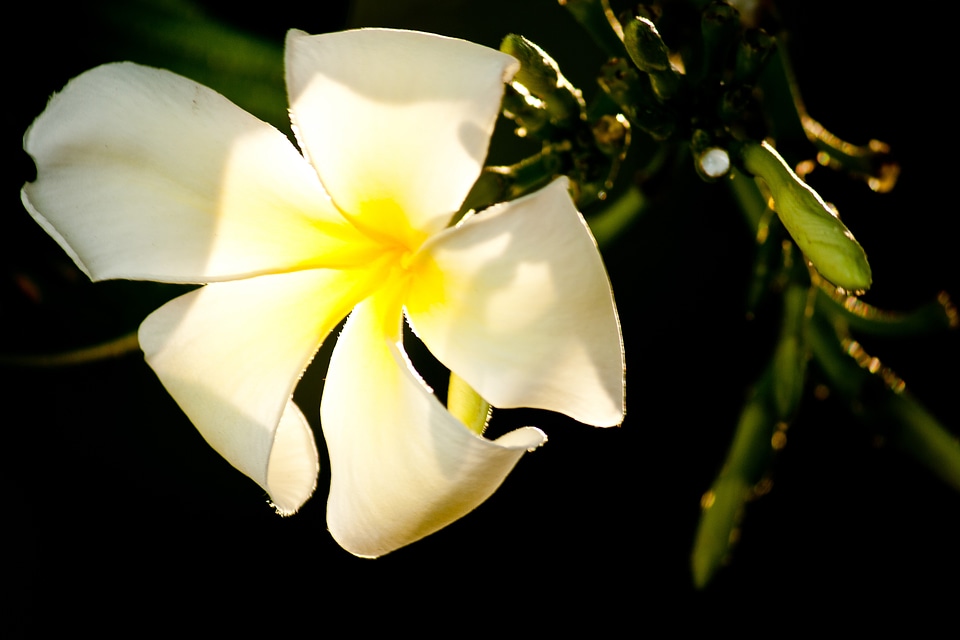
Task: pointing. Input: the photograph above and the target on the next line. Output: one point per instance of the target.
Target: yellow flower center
(405, 275)
(386, 223)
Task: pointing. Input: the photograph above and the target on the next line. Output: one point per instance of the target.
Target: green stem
(877, 397)
(115, 348)
(919, 433)
(466, 405)
(611, 221)
(861, 317)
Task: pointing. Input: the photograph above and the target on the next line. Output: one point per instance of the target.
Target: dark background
(124, 518)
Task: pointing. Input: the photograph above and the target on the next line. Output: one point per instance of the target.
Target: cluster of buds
(704, 95)
(698, 83)
(587, 147)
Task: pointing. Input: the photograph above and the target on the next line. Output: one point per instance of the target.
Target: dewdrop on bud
(714, 163)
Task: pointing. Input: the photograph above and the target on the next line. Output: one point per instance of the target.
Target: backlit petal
(231, 353)
(144, 174)
(402, 467)
(397, 123)
(516, 301)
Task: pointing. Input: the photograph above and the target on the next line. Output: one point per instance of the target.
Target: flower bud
(632, 94)
(753, 50)
(719, 28)
(611, 135)
(723, 505)
(650, 54)
(540, 74)
(816, 229)
(527, 111)
(598, 20)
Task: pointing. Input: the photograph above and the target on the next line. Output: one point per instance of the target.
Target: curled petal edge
(517, 301)
(402, 467)
(231, 354)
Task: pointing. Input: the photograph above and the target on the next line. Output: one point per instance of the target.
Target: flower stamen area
(384, 221)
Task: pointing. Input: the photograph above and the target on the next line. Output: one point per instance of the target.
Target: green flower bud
(720, 29)
(723, 505)
(718, 529)
(530, 113)
(631, 92)
(611, 134)
(753, 50)
(540, 74)
(650, 54)
(596, 17)
(816, 229)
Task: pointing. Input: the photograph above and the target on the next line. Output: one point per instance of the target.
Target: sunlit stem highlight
(466, 405)
(115, 348)
(607, 224)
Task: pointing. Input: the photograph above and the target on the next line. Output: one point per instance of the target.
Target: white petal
(402, 467)
(143, 174)
(293, 462)
(231, 353)
(397, 123)
(516, 301)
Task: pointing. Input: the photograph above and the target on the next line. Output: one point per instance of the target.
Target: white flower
(143, 174)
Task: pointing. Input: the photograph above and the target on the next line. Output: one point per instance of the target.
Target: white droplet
(715, 162)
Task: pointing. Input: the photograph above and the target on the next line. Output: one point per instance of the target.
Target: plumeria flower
(143, 174)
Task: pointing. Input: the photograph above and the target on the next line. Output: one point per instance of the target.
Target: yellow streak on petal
(427, 290)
